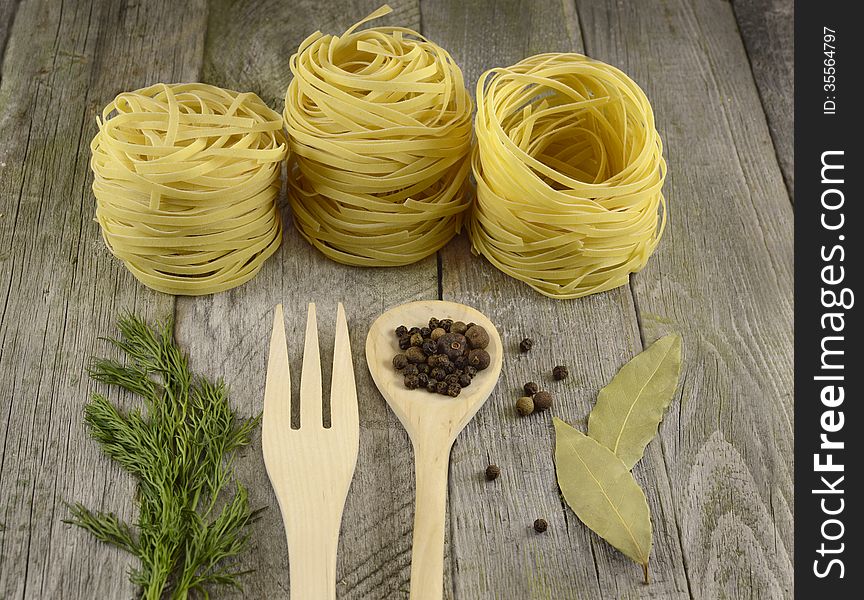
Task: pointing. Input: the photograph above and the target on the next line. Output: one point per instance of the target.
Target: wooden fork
(311, 468)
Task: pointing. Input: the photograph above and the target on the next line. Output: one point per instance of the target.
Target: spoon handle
(427, 555)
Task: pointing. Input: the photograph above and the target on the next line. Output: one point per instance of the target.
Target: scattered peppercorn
(531, 388)
(458, 327)
(540, 525)
(478, 358)
(412, 381)
(525, 406)
(400, 361)
(492, 472)
(477, 336)
(542, 401)
(560, 372)
(526, 345)
(401, 331)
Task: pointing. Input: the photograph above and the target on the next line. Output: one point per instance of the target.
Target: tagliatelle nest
(186, 178)
(380, 129)
(569, 170)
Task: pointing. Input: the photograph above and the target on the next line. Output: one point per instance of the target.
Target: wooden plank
(61, 289)
(495, 551)
(7, 16)
(228, 334)
(767, 28)
(723, 278)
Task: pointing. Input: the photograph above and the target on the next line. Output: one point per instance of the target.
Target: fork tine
(343, 392)
(277, 388)
(311, 410)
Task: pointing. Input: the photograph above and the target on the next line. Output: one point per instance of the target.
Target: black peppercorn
(461, 362)
(478, 358)
(415, 355)
(438, 374)
(453, 390)
(416, 339)
(400, 361)
(540, 525)
(542, 401)
(445, 324)
(401, 331)
(410, 369)
(477, 337)
(449, 367)
(413, 330)
(451, 378)
(437, 333)
(432, 386)
(464, 380)
(443, 360)
(470, 371)
(492, 472)
(422, 379)
(405, 342)
(422, 368)
(560, 372)
(429, 347)
(531, 388)
(441, 388)
(433, 323)
(425, 332)
(458, 327)
(452, 344)
(526, 344)
(412, 381)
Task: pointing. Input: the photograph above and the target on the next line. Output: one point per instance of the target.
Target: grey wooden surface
(718, 479)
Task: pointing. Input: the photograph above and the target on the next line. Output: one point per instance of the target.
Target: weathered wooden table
(719, 478)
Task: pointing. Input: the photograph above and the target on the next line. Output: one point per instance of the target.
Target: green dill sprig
(180, 450)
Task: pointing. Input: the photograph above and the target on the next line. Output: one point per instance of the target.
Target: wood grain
(227, 334)
(495, 550)
(61, 289)
(767, 28)
(722, 277)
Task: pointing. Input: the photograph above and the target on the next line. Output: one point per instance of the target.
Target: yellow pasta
(379, 123)
(569, 169)
(186, 178)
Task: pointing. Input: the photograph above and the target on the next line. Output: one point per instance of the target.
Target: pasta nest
(569, 169)
(186, 178)
(379, 123)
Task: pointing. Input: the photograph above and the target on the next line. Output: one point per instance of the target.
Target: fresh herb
(180, 451)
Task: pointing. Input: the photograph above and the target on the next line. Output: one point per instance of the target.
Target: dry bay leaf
(630, 408)
(600, 489)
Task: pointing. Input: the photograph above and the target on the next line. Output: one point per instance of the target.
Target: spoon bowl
(433, 422)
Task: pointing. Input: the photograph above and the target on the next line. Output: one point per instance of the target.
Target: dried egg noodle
(569, 168)
(186, 178)
(379, 123)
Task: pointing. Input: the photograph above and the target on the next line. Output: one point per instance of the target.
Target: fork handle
(427, 553)
(312, 560)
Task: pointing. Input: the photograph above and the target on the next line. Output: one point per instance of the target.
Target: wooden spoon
(432, 421)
